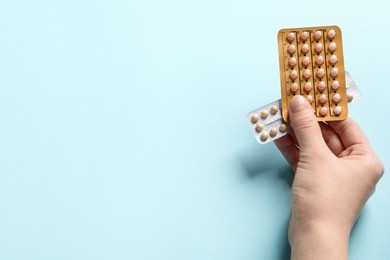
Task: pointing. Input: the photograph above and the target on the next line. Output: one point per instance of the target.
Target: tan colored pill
(349, 97)
(274, 109)
(259, 127)
(264, 136)
(273, 132)
(255, 118)
(264, 114)
(283, 128)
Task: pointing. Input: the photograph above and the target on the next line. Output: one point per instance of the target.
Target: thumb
(305, 125)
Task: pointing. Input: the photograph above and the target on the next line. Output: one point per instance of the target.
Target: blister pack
(267, 122)
(312, 65)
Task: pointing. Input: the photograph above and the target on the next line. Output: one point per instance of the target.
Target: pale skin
(335, 173)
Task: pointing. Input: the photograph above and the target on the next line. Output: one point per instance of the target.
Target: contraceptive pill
(318, 53)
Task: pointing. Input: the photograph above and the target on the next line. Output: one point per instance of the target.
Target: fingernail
(299, 103)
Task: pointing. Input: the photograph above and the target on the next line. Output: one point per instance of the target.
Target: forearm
(321, 242)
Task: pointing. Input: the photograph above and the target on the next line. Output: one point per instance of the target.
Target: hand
(336, 171)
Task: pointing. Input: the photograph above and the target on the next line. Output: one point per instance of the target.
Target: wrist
(319, 241)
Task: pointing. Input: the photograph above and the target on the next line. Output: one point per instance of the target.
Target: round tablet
(259, 127)
(332, 47)
(305, 48)
(331, 34)
(294, 87)
(273, 132)
(264, 136)
(292, 49)
(293, 74)
(307, 74)
(337, 110)
(254, 118)
(336, 98)
(292, 62)
(308, 86)
(322, 99)
(264, 114)
(309, 98)
(283, 128)
(317, 35)
(349, 97)
(333, 59)
(335, 85)
(291, 36)
(320, 60)
(306, 61)
(274, 109)
(323, 111)
(321, 73)
(334, 72)
(321, 86)
(304, 36)
(318, 47)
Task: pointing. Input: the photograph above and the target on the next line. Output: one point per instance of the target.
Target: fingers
(305, 125)
(349, 131)
(332, 139)
(289, 150)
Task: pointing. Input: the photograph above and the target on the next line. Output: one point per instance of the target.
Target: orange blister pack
(312, 64)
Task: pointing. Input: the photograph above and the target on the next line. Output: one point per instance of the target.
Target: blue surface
(123, 132)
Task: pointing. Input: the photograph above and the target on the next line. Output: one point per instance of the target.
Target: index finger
(349, 131)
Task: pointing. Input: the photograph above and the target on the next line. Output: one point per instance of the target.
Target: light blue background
(123, 132)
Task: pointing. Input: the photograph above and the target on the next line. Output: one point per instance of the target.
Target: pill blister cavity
(332, 46)
(273, 132)
(259, 127)
(292, 49)
(320, 73)
(318, 47)
(306, 61)
(294, 87)
(321, 86)
(264, 114)
(274, 109)
(317, 35)
(264, 136)
(334, 72)
(254, 118)
(309, 98)
(305, 48)
(337, 110)
(283, 128)
(293, 74)
(320, 60)
(323, 111)
(292, 62)
(333, 59)
(335, 84)
(331, 34)
(290, 36)
(336, 98)
(307, 74)
(308, 86)
(304, 36)
(322, 99)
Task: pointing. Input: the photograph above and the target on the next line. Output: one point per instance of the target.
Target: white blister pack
(267, 123)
